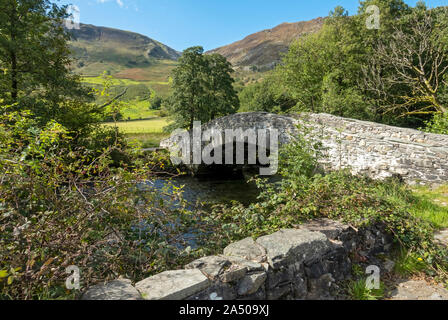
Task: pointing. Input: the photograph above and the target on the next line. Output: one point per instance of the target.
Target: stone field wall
(304, 263)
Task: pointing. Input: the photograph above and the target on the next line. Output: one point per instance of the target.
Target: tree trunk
(13, 55)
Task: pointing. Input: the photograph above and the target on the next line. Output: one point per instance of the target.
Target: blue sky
(209, 23)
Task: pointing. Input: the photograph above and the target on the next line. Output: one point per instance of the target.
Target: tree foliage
(395, 74)
(35, 61)
(265, 96)
(202, 88)
(406, 75)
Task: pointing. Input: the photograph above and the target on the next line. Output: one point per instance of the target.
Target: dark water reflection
(206, 191)
(210, 190)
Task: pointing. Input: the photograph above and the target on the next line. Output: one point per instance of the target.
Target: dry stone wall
(373, 149)
(304, 263)
(381, 151)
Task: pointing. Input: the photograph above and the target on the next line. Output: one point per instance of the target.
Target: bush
(438, 124)
(64, 203)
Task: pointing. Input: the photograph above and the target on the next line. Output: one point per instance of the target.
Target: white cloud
(119, 2)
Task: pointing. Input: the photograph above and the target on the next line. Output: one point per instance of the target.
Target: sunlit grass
(148, 132)
(358, 290)
(148, 140)
(138, 110)
(155, 125)
(432, 205)
(113, 81)
(409, 263)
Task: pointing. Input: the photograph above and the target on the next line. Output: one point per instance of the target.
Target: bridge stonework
(376, 150)
(382, 151)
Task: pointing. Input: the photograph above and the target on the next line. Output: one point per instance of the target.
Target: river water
(212, 190)
(205, 190)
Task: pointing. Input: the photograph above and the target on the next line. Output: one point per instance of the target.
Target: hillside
(99, 49)
(263, 49)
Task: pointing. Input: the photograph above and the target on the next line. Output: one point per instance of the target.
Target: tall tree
(407, 75)
(222, 98)
(202, 88)
(34, 55)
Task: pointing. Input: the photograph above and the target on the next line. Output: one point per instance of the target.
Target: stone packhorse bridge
(373, 149)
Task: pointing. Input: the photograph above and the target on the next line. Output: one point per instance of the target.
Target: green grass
(148, 132)
(162, 88)
(154, 77)
(359, 291)
(425, 202)
(409, 263)
(155, 125)
(148, 140)
(432, 205)
(138, 110)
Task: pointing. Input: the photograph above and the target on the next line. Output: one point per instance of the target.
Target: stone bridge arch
(376, 150)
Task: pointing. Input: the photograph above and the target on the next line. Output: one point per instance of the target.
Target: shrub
(438, 124)
(63, 203)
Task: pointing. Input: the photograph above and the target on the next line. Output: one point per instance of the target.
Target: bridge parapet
(369, 148)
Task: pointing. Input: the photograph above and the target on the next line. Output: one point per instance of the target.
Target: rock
(334, 230)
(212, 266)
(278, 293)
(247, 249)
(173, 285)
(121, 289)
(419, 290)
(442, 237)
(281, 277)
(234, 273)
(251, 283)
(218, 291)
(260, 294)
(297, 264)
(319, 289)
(376, 150)
(250, 265)
(388, 265)
(300, 288)
(283, 247)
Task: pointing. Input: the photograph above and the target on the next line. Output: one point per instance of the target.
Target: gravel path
(419, 290)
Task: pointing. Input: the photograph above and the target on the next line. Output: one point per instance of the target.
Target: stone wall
(381, 151)
(377, 150)
(304, 263)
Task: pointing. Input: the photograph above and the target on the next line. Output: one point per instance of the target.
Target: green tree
(265, 96)
(407, 74)
(202, 88)
(35, 57)
(326, 71)
(222, 98)
(320, 71)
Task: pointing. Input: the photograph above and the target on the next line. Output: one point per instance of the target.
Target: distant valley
(143, 65)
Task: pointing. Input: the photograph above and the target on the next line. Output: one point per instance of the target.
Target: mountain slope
(263, 49)
(98, 49)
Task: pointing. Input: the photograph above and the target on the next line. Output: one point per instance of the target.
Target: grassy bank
(432, 205)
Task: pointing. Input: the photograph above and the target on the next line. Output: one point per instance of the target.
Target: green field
(138, 110)
(148, 132)
(162, 88)
(99, 80)
(155, 125)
